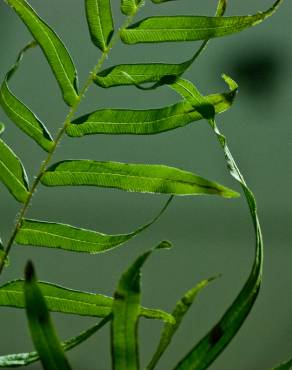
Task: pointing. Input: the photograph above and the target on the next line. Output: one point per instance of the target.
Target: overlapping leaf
(66, 237)
(64, 300)
(136, 74)
(19, 113)
(210, 346)
(53, 48)
(190, 28)
(160, 73)
(2, 128)
(126, 314)
(145, 122)
(44, 337)
(12, 173)
(100, 22)
(180, 310)
(132, 177)
(24, 359)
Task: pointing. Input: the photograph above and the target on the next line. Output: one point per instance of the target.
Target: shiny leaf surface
(190, 28)
(132, 177)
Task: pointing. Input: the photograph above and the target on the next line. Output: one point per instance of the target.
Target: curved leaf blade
(12, 173)
(215, 341)
(68, 301)
(53, 48)
(19, 113)
(143, 178)
(24, 359)
(126, 314)
(42, 331)
(66, 237)
(160, 73)
(100, 22)
(145, 122)
(190, 28)
(180, 310)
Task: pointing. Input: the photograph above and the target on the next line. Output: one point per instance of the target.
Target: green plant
(122, 311)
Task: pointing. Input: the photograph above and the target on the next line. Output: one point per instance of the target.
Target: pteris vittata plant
(122, 311)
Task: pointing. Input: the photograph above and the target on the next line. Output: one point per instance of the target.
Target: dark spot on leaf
(206, 110)
(186, 301)
(216, 335)
(119, 296)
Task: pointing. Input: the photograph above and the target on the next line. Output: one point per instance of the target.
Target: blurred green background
(210, 235)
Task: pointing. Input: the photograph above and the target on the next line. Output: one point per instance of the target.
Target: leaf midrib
(35, 18)
(244, 22)
(34, 127)
(13, 176)
(132, 176)
(65, 237)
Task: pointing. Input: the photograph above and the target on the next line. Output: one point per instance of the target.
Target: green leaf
(126, 314)
(24, 359)
(100, 22)
(130, 7)
(136, 74)
(42, 331)
(161, 73)
(19, 113)
(66, 237)
(285, 366)
(3, 254)
(143, 178)
(68, 301)
(145, 122)
(2, 128)
(53, 48)
(215, 341)
(205, 107)
(190, 28)
(12, 173)
(180, 310)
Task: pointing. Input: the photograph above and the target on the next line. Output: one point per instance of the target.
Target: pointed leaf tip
(143, 178)
(29, 272)
(191, 28)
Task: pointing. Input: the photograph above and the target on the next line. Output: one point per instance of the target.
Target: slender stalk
(58, 139)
